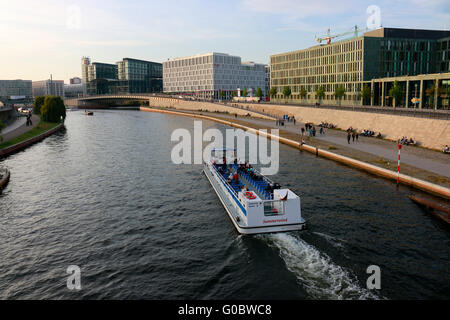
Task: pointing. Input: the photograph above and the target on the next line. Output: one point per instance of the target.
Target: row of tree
(320, 92)
(258, 93)
(396, 92)
(51, 108)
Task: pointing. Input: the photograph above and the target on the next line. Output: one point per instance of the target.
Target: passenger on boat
(236, 177)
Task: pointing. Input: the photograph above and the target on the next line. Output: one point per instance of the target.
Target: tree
(287, 92)
(259, 93)
(245, 92)
(303, 93)
(320, 93)
(38, 102)
(222, 94)
(339, 93)
(53, 109)
(233, 94)
(366, 93)
(396, 92)
(272, 92)
(430, 92)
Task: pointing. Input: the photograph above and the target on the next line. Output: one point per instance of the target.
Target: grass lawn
(40, 128)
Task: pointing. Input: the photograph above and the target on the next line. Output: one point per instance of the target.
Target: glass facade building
(138, 76)
(48, 87)
(16, 91)
(382, 53)
(125, 77)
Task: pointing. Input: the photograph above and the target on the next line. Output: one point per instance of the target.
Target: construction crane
(329, 37)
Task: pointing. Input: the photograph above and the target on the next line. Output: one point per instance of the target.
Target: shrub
(53, 109)
(38, 102)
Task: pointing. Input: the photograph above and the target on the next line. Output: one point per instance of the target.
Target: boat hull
(233, 213)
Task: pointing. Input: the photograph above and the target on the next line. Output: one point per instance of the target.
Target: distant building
(48, 87)
(386, 53)
(85, 62)
(139, 76)
(16, 91)
(124, 77)
(443, 55)
(267, 80)
(75, 80)
(207, 75)
(102, 79)
(73, 90)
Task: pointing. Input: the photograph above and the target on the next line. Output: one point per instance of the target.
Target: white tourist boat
(253, 202)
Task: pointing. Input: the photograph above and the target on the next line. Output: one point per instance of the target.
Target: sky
(43, 37)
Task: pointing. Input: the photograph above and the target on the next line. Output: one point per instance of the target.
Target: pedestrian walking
(303, 131)
(353, 136)
(348, 137)
(357, 136)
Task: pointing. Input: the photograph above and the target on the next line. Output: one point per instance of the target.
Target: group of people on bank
(406, 141)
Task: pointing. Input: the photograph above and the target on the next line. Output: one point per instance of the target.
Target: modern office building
(207, 75)
(267, 80)
(73, 90)
(16, 91)
(124, 77)
(443, 55)
(85, 62)
(385, 53)
(139, 76)
(75, 80)
(102, 79)
(48, 87)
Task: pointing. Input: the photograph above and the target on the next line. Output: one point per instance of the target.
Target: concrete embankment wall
(388, 174)
(430, 133)
(197, 105)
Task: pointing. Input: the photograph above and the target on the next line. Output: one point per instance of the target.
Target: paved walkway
(421, 158)
(13, 126)
(19, 127)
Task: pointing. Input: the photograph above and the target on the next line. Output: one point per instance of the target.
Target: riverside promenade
(19, 127)
(421, 163)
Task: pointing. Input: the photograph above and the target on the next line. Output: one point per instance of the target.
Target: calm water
(104, 195)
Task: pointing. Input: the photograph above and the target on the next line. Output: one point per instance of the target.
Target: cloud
(296, 8)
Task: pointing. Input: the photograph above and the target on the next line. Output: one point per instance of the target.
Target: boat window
(274, 208)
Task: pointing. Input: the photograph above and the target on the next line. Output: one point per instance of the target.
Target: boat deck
(259, 186)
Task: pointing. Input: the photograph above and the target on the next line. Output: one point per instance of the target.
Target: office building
(125, 77)
(75, 80)
(207, 75)
(139, 76)
(48, 87)
(385, 53)
(16, 91)
(73, 90)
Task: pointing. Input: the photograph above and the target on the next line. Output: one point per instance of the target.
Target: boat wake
(321, 278)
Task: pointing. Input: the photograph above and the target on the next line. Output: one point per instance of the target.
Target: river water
(103, 195)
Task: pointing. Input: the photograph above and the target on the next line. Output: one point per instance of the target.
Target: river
(103, 195)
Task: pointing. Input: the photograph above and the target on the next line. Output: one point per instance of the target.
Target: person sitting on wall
(446, 149)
